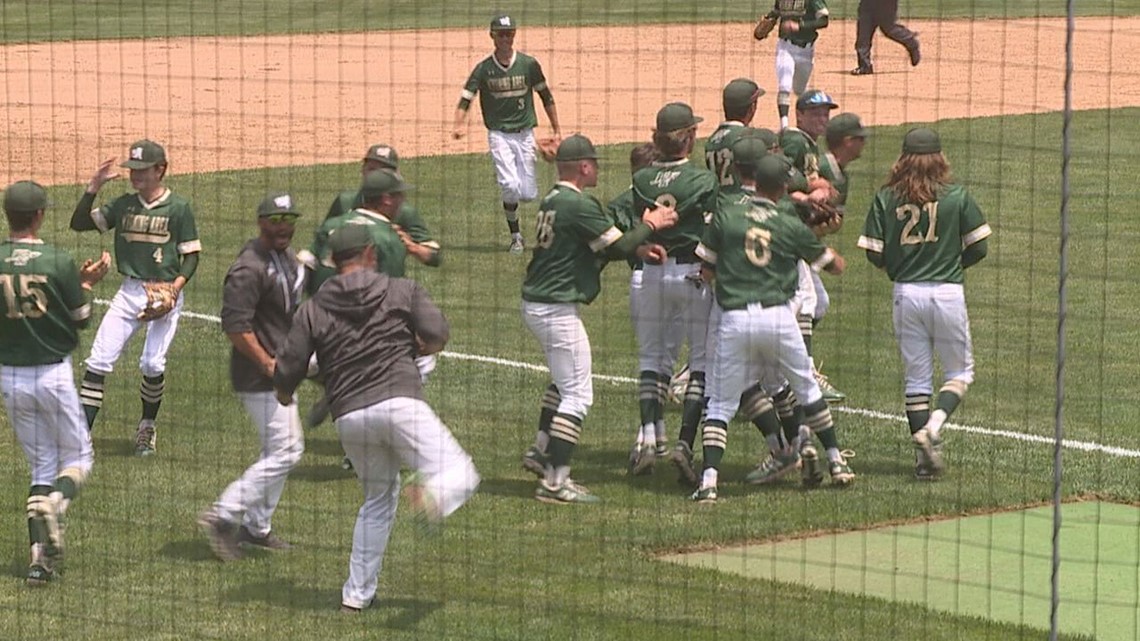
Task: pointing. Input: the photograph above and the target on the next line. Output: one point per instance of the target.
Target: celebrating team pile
(726, 257)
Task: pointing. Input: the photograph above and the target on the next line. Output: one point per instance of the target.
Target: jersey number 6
(757, 243)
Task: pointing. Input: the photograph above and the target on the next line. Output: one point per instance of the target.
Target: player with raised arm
(925, 230)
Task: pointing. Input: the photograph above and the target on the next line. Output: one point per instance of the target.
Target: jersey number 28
(544, 229)
(24, 295)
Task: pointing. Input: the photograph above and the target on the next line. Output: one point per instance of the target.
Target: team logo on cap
(381, 150)
(137, 153)
(283, 202)
(505, 21)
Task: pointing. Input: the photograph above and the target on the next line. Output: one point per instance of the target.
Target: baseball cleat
(915, 53)
(270, 541)
(704, 495)
(644, 459)
(145, 439)
(682, 459)
(352, 609)
(840, 471)
(39, 574)
(565, 494)
(830, 393)
(928, 453)
(517, 245)
(317, 413)
(222, 535)
(863, 71)
(774, 467)
(662, 450)
(810, 474)
(534, 461)
(346, 464)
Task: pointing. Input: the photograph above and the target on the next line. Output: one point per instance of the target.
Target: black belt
(686, 259)
(514, 131)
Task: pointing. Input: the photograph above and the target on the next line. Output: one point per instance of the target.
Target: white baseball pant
(514, 157)
(793, 66)
(672, 291)
(253, 498)
(121, 322)
(804, 300)
(560, 332)
(758, 344)
(929, 318)
(672, 336)
(43, 408)
(379, 439)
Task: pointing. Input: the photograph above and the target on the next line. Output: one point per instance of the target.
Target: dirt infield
(224, 103)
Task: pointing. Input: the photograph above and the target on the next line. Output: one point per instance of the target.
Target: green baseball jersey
(390, 250)
(718, 152)
(829, 169)
(807, 13)
(150, 238)
(755, 250)
(802, 150)
(690, 190)
(621, 213)
(572, 228)
(408, 218)
(506, 93)
(41, 303)
(924, 243)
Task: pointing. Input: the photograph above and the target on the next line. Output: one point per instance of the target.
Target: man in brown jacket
(366, 329)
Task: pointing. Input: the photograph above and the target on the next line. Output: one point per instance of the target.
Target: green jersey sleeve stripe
(706, 254)
(100, 220)
(467, 95)
(190, 247)
(870, 244)
(540, 86)
(609, 237)
(981, 233)
(824, 260)
(81, 313)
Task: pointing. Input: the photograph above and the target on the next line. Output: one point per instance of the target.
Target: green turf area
(507, 567)
(995, 566)
(32, 20)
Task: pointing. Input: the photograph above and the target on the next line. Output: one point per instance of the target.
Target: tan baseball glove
(547, 148)
(160, 299)
(764, 27)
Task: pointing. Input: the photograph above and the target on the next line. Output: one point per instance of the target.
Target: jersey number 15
(24, 295)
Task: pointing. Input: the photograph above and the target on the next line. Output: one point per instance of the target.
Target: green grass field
(32, 20)
(507, 567)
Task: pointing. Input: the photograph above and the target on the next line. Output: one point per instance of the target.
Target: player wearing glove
(156, 251)
(45, 303)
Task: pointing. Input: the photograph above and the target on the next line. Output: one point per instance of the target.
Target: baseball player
(383, 157)
(800, 22)
(673, 287)
(156, 251)
(739, 99)
(925, 231)
(799, 144)
(506, 82)
(882, 15)
(44, 303)
(573, 231)
(753, 255)
(365, 329)
(261, 292)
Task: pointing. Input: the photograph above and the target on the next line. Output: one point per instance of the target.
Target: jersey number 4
(544, 229)
(912, 214)
(24, 295)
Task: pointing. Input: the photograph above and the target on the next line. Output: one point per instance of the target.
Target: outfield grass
(507, 567)
(35, 20)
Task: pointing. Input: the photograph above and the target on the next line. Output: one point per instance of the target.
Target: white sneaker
(517, 245)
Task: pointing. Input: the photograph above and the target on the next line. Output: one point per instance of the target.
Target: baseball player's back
(684, 186)
(41, 303)
(572, 228)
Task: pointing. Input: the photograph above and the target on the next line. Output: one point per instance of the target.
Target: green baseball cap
(503, 23)
(815, 98)
(349, 238)
(277, 202)
(748, 151)
(846, 124)
(921, 141)
(25, 196)
(383, 154)
(741, 93)
(676, 116)
(773, 170)
(576, 147)
(144, 154)
(376, 183)
(769, 137)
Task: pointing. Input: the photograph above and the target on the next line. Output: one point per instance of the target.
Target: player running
(925, 231)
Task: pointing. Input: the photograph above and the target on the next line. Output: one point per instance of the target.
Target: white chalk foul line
(1083, 446)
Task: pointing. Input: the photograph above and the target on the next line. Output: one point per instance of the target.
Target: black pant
(884, 15)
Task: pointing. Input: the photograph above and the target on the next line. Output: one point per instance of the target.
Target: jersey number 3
(544, 229)
(24, 295)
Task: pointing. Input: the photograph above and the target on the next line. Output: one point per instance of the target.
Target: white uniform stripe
(870, 244)
(100, 220)
(609, 237)
(80, 313)
(981, 233)
(190, 247)
(706, 254)
(467, 95)
(824, 260)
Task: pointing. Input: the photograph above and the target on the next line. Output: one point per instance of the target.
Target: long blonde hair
(919, 178)
(675, 144)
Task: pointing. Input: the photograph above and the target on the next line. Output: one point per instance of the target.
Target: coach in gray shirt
(262, 292)
(366, 329)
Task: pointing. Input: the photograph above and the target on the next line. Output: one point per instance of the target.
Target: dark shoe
(317, 413)
(270, 541)
(40, 574)
(222, 534)
(915, 54)
(863, 71)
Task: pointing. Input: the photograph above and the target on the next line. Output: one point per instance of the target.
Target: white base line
(1083, 446)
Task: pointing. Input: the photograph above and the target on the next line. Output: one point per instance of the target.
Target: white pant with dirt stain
(121, 322)
(514, 157)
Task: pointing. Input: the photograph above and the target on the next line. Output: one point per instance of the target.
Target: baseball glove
(824, 218)
(547, 148)
(160, 299)
(764, 27)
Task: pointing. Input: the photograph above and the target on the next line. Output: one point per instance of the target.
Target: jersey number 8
(29, 286)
